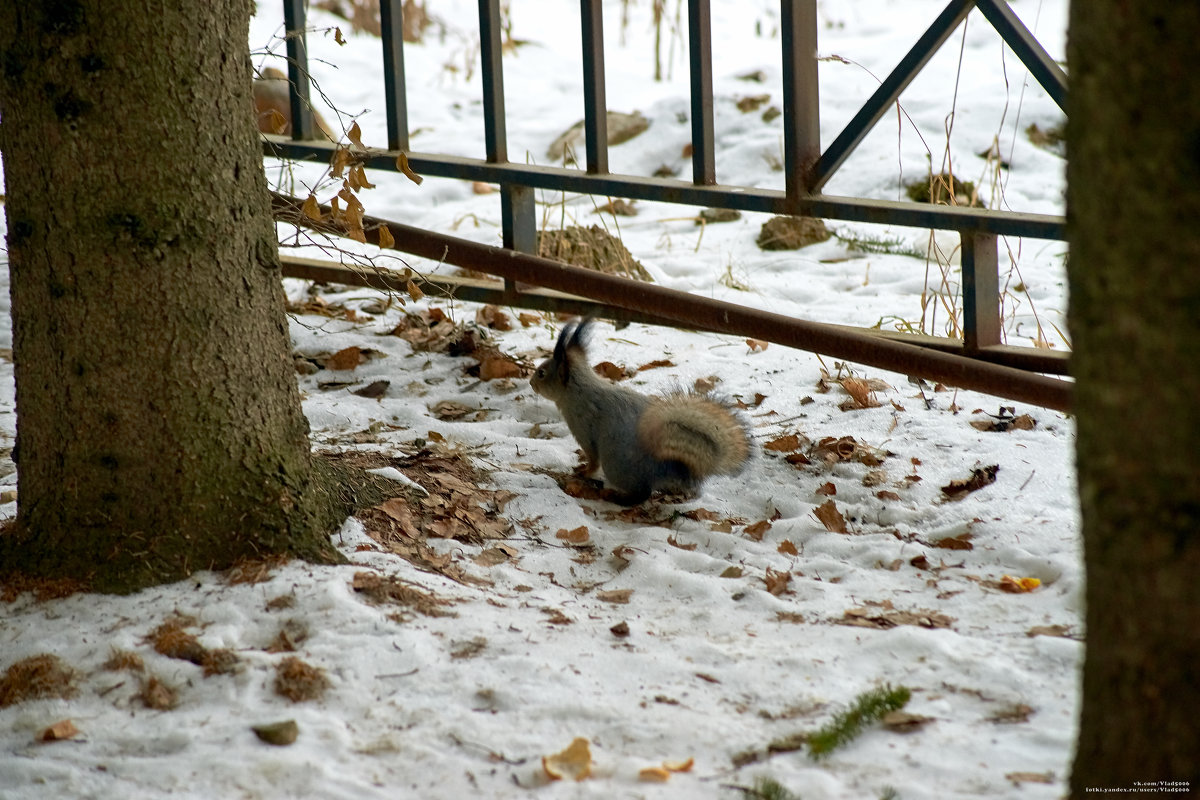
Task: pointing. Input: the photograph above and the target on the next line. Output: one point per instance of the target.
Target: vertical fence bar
(391, 23)
(519, 219)
(595, 104)
(297, 56)
(704, 170)
(981, 290)
(492, 74)
(801, 97)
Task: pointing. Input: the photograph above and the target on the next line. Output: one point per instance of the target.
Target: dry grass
(124, 660)
(39, 676)
(298, 681)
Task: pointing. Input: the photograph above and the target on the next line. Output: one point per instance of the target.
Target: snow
(713, 668)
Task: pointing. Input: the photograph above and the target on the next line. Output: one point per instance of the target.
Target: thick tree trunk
(159, 424)
(1134, 211)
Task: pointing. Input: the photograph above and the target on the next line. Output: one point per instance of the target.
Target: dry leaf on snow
(757, 530)
(450, 410)
(777, 581)
(788, 443)
(345, 359)
(607, 369)
(904, 721)
(883, 616)
(980, 477)
(492, 317)
(1030, 777)
(960, 542)
(373, 390)
(576, 536)
(861, 394)
(830, 517)
(63, 729)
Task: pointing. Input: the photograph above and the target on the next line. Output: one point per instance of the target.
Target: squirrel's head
(552, 379)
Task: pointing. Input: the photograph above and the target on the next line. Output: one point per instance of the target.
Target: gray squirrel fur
(644, 444)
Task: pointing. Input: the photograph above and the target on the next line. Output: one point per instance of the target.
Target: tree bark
(1134, 228)
(159, 424)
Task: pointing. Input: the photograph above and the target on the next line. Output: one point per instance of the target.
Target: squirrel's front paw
(586, 469)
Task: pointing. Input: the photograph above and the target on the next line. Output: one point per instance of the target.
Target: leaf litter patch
(444, 501)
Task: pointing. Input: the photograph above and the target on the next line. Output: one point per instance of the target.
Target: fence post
(595, 105)
(391, 25)
(981, 291)
(801, 98)
(517, 219)
(704, 171)
(297, 56)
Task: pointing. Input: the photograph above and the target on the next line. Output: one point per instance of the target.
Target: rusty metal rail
(658, 303)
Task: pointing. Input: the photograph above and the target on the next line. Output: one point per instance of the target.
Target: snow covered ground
(713, 630)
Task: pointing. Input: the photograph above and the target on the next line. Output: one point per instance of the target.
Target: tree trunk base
(113, 562)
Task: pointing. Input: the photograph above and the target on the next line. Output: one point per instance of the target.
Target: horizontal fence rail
(807, 169)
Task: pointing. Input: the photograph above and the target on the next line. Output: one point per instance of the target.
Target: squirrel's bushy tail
(705, 435)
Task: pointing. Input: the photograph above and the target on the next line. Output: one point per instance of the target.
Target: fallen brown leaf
(1030, 777)
(777, 581)
(960, 542)
(757, 530)
(63, 729)
(980, 477)
(757, 345)
(492, 317)
(830, 517)
(575, 536)
(786, 444)
(904, 722)
(886, 617)
(373, 390)
(345, 359)
(860, 393)
(1062, 631)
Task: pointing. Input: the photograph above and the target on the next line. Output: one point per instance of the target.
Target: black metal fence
(808, 166)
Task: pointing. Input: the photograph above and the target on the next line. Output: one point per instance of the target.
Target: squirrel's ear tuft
(565, 338)
(573, 337)
(579, 336)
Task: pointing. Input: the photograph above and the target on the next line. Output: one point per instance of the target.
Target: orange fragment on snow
(1018, 585)
(575, 762)
(653, 775)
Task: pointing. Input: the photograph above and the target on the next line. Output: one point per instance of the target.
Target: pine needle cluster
(868, 707)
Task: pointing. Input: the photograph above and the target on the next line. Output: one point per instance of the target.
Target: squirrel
(669, 443)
